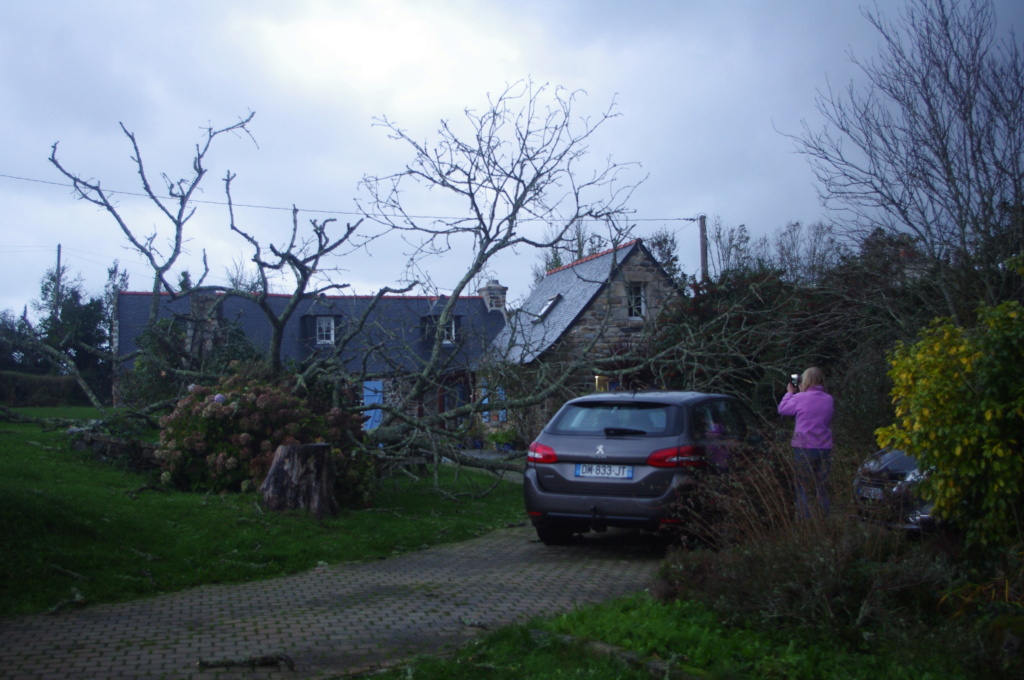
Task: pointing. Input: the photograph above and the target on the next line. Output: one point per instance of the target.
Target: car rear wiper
(622, 432)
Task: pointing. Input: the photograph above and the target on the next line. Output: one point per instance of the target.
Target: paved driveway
(331, 620)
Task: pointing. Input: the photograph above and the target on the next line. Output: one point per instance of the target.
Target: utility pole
(54, 313)
(702, 222)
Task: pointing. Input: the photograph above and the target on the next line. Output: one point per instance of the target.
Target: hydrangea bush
(223, 437)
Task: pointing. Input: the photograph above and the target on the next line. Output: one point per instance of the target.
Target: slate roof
(397, 335)
(133, 314)
(532, 330)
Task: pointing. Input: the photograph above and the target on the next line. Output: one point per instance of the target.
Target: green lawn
(70, 527)
(617, 640)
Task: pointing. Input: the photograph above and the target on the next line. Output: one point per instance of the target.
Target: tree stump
(301, 478)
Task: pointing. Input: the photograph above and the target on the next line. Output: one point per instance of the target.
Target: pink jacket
(813, 411)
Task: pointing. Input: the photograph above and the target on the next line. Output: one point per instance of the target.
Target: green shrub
(1001, 645)
(29, 389)
(163, 368)
(502, 438)
(694, 642)
(831, 575)
(223, 438)
(358, 476)
(152, 376)
(959, 398)
(994, 599)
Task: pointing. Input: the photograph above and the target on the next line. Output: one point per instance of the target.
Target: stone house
(602, 306)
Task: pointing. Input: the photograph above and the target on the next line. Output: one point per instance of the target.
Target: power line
(115, 192)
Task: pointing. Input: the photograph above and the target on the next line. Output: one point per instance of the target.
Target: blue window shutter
(373, 393)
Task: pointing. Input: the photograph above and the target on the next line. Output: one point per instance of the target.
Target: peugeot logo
(600, 451)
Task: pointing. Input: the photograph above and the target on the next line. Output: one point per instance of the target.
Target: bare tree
(160, 251)
(579, 242)
(520, 172)
(301, 258)
(520, 169)
(933, 146)
(242, 277)
(665, 247)
(805, 254)
(731, 249)
(299, 261)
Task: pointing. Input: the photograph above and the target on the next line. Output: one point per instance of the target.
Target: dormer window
(325, 330)
(449, 334)
(636, 300)
(548, 306)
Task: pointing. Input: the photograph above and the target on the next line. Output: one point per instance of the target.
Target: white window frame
(451, 333)
(636, 292)
(548, 306)
(325, 330)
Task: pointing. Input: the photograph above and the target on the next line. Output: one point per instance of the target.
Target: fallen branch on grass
(250, 661)
(77, 600)
(67, 572)
(249, 520)
(145, 555)
(656, 668)
(134, 493)
(10, 416)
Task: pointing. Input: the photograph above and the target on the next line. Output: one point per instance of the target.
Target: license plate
(871, 492)
(604, 471)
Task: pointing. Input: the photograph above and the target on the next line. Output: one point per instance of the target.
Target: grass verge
(641, 637)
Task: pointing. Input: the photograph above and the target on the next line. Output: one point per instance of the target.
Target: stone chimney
(494, 296)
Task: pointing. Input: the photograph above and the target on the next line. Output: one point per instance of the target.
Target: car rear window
(611, 417)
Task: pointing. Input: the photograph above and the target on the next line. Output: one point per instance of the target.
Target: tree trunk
(301, 477)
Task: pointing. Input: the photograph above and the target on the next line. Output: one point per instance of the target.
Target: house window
(450, 332)
(636, 300)
(548, 306)
(325, 330)
(501, 415)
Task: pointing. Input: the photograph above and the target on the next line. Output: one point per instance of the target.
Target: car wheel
(553, 535)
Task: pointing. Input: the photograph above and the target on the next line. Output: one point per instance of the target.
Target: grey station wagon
(623, 459)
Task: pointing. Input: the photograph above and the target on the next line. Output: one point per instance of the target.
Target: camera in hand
(794, 380)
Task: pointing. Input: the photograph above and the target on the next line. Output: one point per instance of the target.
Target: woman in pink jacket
(812, 438)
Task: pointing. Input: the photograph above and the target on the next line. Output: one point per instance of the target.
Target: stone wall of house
(396, 391)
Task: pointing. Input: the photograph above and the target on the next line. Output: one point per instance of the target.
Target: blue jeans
(811, 468)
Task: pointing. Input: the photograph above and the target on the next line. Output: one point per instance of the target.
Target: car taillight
(541, 453)
(677, 456)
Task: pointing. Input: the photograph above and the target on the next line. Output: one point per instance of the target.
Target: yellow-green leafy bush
(959, 400)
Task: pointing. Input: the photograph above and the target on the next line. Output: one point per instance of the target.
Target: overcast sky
(704, 88)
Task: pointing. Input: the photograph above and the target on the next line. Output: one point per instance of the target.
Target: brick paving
(332, 620)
